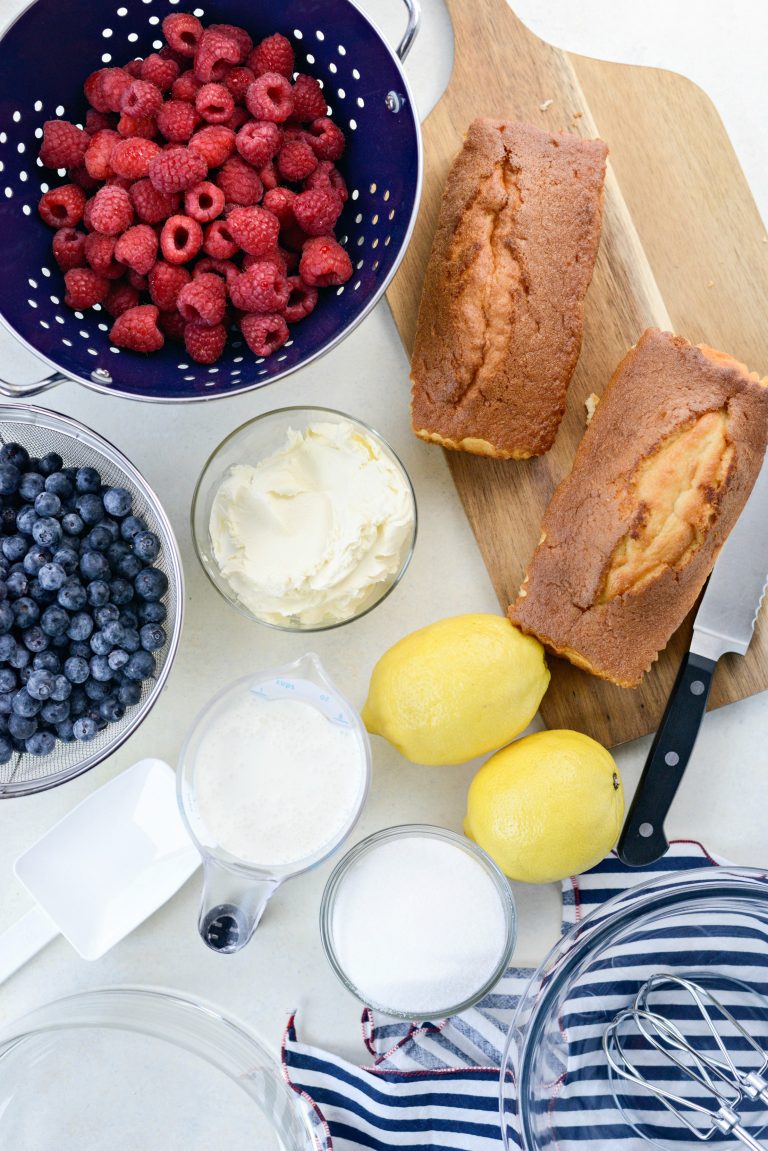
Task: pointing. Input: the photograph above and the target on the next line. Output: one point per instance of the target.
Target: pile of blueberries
(80, 603)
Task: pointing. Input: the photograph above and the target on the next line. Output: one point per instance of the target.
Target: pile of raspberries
(203, 194)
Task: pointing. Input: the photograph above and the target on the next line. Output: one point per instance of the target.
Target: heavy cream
(309, 534)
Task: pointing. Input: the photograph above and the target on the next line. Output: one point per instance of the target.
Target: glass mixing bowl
(135, 1069)
(556, 1091)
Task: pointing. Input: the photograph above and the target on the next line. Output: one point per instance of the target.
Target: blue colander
(46, 55)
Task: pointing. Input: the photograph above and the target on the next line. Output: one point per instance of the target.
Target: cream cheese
(309, 534)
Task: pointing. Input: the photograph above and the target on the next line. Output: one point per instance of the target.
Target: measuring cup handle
(23, 940)
(411, 32)
(232, 906)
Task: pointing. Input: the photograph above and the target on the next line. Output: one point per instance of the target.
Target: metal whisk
(725, 1086)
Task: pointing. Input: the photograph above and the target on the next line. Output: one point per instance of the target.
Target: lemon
(546, 807)
(456, 689)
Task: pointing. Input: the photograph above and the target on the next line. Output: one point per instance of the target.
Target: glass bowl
(254, 442)
(556, 1090)
(136, 1069)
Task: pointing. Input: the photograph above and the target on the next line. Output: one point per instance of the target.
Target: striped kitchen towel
(435, 1086)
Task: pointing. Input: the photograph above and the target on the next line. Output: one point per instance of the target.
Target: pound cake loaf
(659, 480)
(501, 316)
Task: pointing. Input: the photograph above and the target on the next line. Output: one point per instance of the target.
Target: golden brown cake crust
(501, 316)
(659, 480)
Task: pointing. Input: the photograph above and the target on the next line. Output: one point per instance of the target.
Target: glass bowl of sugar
(418, 922)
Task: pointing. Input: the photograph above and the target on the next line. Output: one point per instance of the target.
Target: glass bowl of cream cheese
(304, 519)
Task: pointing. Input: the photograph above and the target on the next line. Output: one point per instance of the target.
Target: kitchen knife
(724, 622)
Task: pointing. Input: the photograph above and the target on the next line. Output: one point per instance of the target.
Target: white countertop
(722, 801)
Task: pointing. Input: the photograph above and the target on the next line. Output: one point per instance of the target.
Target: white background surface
(724, 798)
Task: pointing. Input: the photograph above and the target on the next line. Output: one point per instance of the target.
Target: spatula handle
(23, 940)
(642, 840)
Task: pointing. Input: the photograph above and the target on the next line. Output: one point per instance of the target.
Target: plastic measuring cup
(236, 891)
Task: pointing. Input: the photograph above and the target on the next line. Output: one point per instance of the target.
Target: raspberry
(205, 344)
(131, 158)
(264, 334)
(69, 248)
(186, 87)
(238, 81)
(177, 169)
(203, 300)
(270, 97)
(326, 175)
(254, 229)
(87, 210)
(93, 90)
(262, 288)
(274, 54)
(165, 283)
(239, 117)
(224, 268)
(239, 35)
(215, 54)
(83, 179)
(239, 183)
(141, 99)
(296, 160)
(120, 298)
(301, 299)
(214, 143)
(177, 120)
(98, 156)
(137, 330)
(279, 201)
(219, 242)
(308, 99)
(324, 261)
(293, 238)
(172, 325)
(152, 207)
(214, 103)
(112, 87)
(62, 207)
(159, 71)
(100, 254)
(326, 139)
(182, 30)
(268, 176)
(98, 121)
(144, 126)
(64, 144)
(137, 248)
(258, 141)
(112, 210)
(204, 202)
(84, 288)
(317, 211)
(181, 239)
(133, 68)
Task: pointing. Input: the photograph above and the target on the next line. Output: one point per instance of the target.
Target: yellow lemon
(546, 807)
(456, 689)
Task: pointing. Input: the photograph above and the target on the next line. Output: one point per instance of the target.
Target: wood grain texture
(682, 248)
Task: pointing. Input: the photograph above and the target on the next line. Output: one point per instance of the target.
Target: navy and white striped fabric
(435, 1086)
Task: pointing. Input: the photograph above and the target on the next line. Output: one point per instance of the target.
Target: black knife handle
(642, 839)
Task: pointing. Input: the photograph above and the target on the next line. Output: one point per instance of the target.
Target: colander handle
(414, 22)
(22, 391)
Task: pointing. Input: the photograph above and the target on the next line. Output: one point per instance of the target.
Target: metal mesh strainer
(41, 431)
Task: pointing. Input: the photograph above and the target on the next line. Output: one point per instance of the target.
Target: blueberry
(131, 526)
(25, 612)
(60, 643)
(26, 519)
(36, 557)
(6, 749)
(117, 659)
(128, 567)
(72, 524)
(76, 669)
(54, 711)
(152, 637)
(41, 743)
(9, 479)
(15, 454)
(100, 645)
(68, 558)
(35, 639)
(111, 526)
(78, 702)
(8, 521)
(94, 565)
(62, 688)
(46, 661)
(98, 539)
(14, 547)
(117, 501)
(87, 480)
(90, 508)
(50, 463)
(6, 617)
(52, 576)
(40, 685)
(131, 641)
(72, 595)
(80, 627)
(20, 657)
(140, 666)
(8, 680)
(80, 649)
(116, 550)
(121, 592)
(25, 704)
(111, 709)
(21, 727)
(96, 690)
(146, 546)
(7, 644)
(47, 533)
(107, 614)
(98, 593)
(100, 669)
(85, 728)
(64, 731)
(129, 618)
(6, 706)
(59, 485)
(150, 584)
(55, 621)
(38, 593)
(114, 632)
(30, 486)
(47, 504)
(152, 612)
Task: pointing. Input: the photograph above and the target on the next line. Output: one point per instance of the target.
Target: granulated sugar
(418, 925)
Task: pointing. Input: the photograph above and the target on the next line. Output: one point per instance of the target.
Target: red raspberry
(98, 156)
(239, 35)
(177, 169)
(224, 268)
(100, 254)
(111, 87)
(69, 248)
(152, 207)
(308, 99)
(167, 53)
(93, 91)
(264, 334)
(172, 325)
(98, 121)
(137, 248)
(214, 143)
(279, 201)
(84, 288)
(133, 68)
(159, 71)
(301, 299)
(317, 211)
(64, 144)
(137, 330)
(254, 229)
(177, 120)
(87, 210)
(262, 288)
(296, 160)
(181, 239)
(238, 81)
(165, 283)
(144, 126)
(182, 30)
(112, 211)
(203, 300)
(270, 97)
(268, 176)
(216, 53)
(140, 283)
(293, 237)
(258, 141)
(324, 261)
(141, 99)
(186, 87)
(214, 103)
(326, 139)
(205, 344)
(326, 175)
(131, 158)
(273, 54)
(62, 207)
(239, 117)
(204, 202)
(219, 242)
(120, 298)
(239, 183)
(83, 179)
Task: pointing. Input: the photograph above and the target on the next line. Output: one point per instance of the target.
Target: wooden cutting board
(683, 248)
